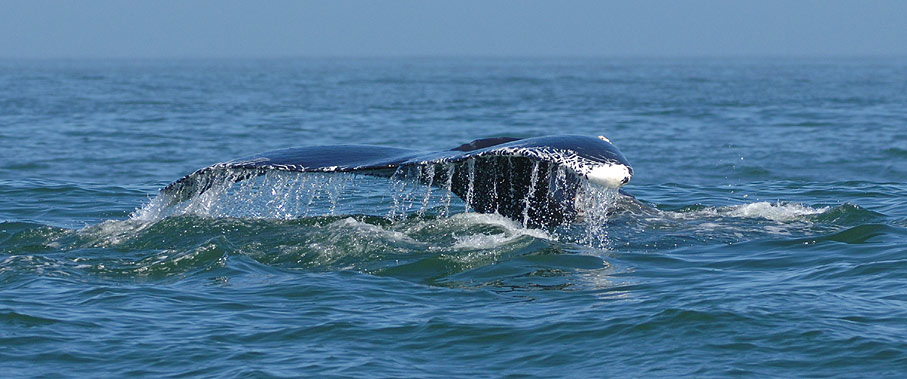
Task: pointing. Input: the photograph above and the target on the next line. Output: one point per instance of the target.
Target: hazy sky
(220, 28)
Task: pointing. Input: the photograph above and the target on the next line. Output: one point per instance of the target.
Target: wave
(423, 249)
(336, 222)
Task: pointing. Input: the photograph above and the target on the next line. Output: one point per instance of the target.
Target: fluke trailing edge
(533, 180)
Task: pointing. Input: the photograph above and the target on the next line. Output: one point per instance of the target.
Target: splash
(274, 195)
(595, 207)
(417, 191)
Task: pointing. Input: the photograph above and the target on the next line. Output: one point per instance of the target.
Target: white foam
(783, 217)
(370, 230)
(113, 232)
(772, 211)
(510, 227)
(778, 211)
(458, 225)
(482, 241)
(511, 231)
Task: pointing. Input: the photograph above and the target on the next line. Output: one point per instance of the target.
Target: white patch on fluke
(610, 176)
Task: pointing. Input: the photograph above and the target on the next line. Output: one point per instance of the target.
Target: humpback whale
(534, 180)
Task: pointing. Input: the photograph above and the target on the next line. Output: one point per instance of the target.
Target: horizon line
(450, 56)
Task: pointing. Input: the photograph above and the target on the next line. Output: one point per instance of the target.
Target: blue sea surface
(772, 240)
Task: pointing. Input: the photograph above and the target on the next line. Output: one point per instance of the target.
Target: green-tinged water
(769, 237)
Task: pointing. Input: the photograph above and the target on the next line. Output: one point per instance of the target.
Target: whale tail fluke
(532, 180)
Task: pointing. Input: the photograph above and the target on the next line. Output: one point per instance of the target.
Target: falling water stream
(411, 192)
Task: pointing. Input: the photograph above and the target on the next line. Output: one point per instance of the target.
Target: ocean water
(771, 239)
